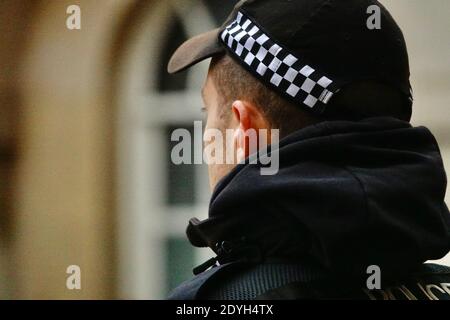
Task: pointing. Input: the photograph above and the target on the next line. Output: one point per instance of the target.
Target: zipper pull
(204, 266)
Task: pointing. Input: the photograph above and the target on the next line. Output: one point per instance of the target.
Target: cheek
(211, 122)
(208, 122)
(211, 119)
(207, 126)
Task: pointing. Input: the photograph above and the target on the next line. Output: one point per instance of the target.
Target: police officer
(358, 188)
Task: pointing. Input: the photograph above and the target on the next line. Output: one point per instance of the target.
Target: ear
(247, 117)
(240, 114)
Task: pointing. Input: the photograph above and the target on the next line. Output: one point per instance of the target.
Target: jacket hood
(347, 195)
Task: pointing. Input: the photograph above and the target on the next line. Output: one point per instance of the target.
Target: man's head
(288, 64)
(235, 102)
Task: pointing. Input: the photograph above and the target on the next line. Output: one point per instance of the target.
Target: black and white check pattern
(275, 64)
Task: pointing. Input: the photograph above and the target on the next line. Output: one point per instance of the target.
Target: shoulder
(244, 281)
(251, 281)
(293, 281)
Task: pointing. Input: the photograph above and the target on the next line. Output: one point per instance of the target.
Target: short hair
(233, 82)
(353, 102)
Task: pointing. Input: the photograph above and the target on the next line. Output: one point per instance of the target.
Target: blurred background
(85, 117)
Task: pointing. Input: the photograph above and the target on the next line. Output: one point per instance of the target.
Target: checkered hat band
(275, 64)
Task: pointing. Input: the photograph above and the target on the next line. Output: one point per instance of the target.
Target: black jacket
(347, 195)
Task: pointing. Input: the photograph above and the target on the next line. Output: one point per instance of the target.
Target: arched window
(155, 197)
